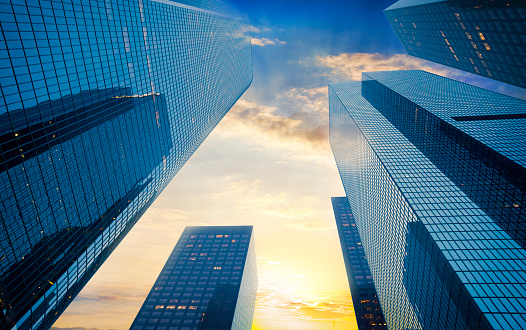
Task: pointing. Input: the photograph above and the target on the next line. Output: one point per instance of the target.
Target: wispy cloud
(259, 29)
(351, 65)
(274, 205)
(282, 126)
(309, 305)
(266, 42)
(301, 116)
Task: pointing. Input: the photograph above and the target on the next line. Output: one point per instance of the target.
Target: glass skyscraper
(208, 282)
(485, 37)
(101, 103)
(433, 171)
(367, 308)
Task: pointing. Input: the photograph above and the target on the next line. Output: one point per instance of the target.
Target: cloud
(308, 224)
(310, 305)
(266, 41)
(295, 125)
(102, 297)
(291, 211)
(351, 65)
(256, 29)
(308, 124)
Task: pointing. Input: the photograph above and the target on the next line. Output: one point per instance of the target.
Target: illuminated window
(170, 307)
(218, 267)
(481, 36)
(181, 307)
(159, 307)
(365, 301)
(219, 236)
(193, 307)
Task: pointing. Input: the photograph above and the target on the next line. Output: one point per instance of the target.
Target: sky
(268, 164)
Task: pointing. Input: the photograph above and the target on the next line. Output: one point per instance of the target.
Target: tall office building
(485, 37)
(433, 171)
(208, 282)
(101, 104)
(367, 308)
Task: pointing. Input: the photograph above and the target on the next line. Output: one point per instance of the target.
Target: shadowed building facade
(366, 306)
(432, 171)
(485, 37)
(101, 104)
(208, 282)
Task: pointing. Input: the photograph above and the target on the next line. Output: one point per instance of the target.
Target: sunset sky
(267, 164)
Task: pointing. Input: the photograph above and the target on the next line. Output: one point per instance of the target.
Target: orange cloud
(307, 305)
(309, 124)
(351, 65)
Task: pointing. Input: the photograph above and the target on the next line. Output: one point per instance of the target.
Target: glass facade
(437, 258)
(367, 308)
(101, 103)
(485, 37)
(474, 136)
(208, 282)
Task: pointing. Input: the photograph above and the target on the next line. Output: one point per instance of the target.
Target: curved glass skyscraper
(101, 103)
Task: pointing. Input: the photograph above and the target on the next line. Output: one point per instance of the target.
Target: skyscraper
(208, 282)
(102, 102)
(485, 37)
(418, 155)
(367, 308)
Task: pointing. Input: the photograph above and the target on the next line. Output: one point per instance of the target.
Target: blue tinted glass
(367, 308)
(481, 37)
(440, 255)
(208, 282)
(101, 103)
